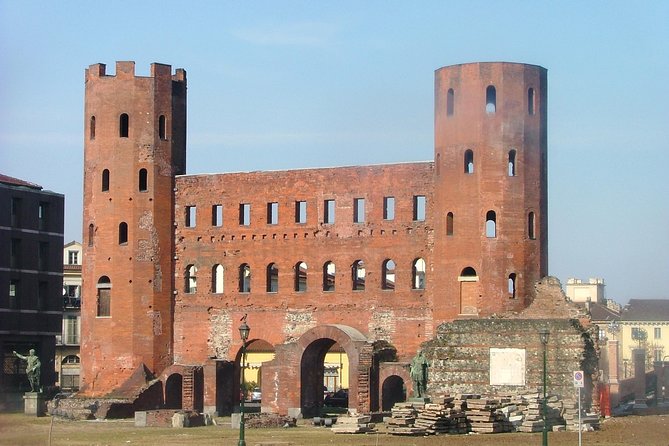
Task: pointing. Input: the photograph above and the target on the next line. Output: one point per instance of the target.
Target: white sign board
(578, 379)
(507, 366)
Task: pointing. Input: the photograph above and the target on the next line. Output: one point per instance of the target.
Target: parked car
(256, 394)
(337, 399)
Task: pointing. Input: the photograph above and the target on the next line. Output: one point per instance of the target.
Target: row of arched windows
(510, 166)
(142, 180)
(124, 126)
(490, 101)
(301, 269)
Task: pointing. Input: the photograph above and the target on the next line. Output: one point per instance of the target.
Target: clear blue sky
(286, 84)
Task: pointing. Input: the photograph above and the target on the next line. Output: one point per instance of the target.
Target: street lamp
(543, 335)
(244, 331)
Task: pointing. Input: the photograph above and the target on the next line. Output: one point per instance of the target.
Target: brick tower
(490, 187)
(135, 144)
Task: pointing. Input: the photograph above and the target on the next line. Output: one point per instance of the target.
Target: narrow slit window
(104, 297)
(245, 214)
(300, 212)
(272, 213)
(419, 207)
(244, 278)
(490, 100)
(469, 161)
(217, 279)
(143, 180)
(329, 212)
(530, 101)
(512, 163)
(449, 223)
(91, 234)
(162, 129)
(329, 271)
(123, 125)
(272, 278)
(511, 285)
(105, 180)
(388, 268)
(418, 273)
(43, 215)
(358, 210)
(389, 208)
(91, 128)
(217, 215)
(450, 102)
(358, 273)
(531, 226)
(123, 233)
(491, 224)
(191, 216)
(300, 277)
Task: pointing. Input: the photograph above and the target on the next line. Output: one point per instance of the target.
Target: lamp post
(244, 331)
(543, 335)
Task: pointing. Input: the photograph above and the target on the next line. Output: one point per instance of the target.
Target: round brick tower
(490, 187)
(135, 143)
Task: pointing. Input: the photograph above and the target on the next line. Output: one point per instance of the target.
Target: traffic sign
(578, 379)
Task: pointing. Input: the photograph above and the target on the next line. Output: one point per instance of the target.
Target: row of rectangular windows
(124, 126)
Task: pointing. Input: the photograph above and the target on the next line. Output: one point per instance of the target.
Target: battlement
(126, 70)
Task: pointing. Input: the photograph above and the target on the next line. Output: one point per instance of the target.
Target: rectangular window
(419, 208)
(104, 302)
(72, 257)
(15, 253)
(43, 256)
(71, 329)
(42, 295)
(329, 212)
(272, 213)
(191, 216)
(16, 211)
(13, 294)
(245, 214)
(658, 354)
(657, 333)
(42, 215)
(389, 208)
(300, 212)
(358, 210)
(217, 215)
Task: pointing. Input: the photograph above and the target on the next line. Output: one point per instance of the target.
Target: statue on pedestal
(418, 372)
(33, 366)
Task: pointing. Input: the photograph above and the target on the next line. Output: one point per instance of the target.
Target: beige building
(579, 291)
(67, 344)
(644, 323)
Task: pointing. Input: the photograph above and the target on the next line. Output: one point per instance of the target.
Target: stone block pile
(484, 416)
(352, 423)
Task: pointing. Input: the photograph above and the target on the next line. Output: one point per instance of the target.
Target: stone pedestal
(34, 404)
(614, 383)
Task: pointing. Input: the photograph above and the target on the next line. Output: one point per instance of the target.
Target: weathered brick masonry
(372, 258)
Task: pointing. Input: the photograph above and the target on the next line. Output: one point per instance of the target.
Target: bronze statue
(33, 367)
(418, 372)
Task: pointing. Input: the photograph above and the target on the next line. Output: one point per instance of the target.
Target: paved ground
(18, 430)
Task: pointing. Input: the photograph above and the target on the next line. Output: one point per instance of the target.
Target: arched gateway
(294, 378)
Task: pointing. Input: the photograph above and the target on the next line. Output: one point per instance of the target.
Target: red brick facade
(370, 257)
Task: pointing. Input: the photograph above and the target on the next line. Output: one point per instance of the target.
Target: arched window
(104, 297)
(143, 180)
(491, 224)
(512, 286)
(71, 359)
(450, 102)
(123, 125)
(530, 101)
(91, 128)
(244, 278)
(123, 233)
(490, 99)
(388, 277)
(162, 132)
(272, 278)
(512, 163)
(190, 279)
(531, 226)
(105, 180)
(449, 223)
(418, 274)
(329, 271)
(468, 272)
(358, 275)
(469, 161)
(91, 234)
(300, 276)
(217, 275)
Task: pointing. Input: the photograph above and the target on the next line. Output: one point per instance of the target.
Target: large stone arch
(389, 374)
(296, 388)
